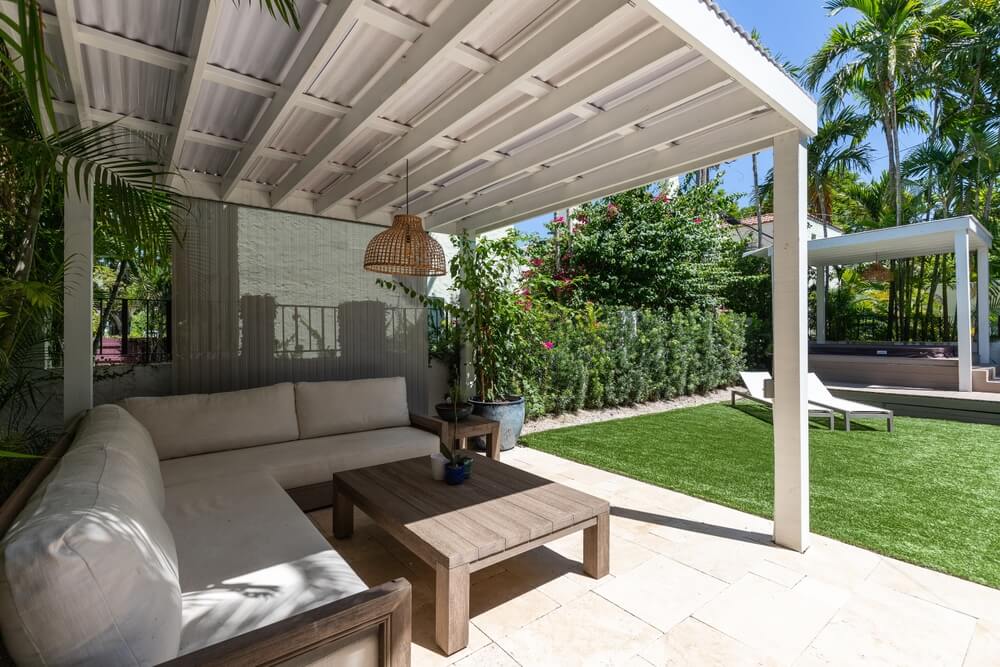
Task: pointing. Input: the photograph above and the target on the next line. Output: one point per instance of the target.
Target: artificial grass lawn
(928, 493)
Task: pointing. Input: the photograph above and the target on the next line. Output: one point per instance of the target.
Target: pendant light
(877, 272)
(405, 249)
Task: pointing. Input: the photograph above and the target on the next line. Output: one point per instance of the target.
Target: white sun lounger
(820, 395)
(754, 382)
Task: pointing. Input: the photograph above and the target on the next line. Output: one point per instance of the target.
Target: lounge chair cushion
(303, 462)
(90, 543)
(330, 408)
(248, 557)
(200, 423)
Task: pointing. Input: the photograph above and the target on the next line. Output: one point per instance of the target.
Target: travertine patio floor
(691, 583)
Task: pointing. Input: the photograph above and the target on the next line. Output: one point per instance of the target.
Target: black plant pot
(453, 412)
(510, 414)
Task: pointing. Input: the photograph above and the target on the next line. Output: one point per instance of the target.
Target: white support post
(963, 313)
(790, 326)
(821, 273)
(78, 302)
(983, 304)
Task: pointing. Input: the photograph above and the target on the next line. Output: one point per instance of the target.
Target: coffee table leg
(451, 608)
(343, 515)
(494, 442)
(596, 547)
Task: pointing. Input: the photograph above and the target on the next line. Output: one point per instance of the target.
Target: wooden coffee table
(498, 513)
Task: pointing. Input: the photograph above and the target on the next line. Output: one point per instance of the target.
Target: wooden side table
(473, 426)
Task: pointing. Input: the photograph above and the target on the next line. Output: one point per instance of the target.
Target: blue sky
(795, 29)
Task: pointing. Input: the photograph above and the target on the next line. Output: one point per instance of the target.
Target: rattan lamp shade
(405, 249)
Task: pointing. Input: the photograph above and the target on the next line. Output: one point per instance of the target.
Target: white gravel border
(607, 414)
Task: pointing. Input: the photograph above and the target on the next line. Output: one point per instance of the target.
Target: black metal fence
(857, 327)
(131, 331)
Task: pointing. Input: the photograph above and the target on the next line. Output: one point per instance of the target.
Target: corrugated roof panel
(428, 93)
(301, 130)
(58, 77)
(560, 123)
(494, 37)
(365, 143)
(226, 112)
(249, 41)
(499, 108)
(371, 190)
(612, 34)
(264, 170)
(364, 52)
(205, 159)
(130, 87)
(631, 86)
(462, 172)
(320, 180)
(166, 24)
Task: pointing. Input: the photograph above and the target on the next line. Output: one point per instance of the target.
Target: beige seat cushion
(304, 462)
(248, 557)
(88, 571)
(329, 408)
(199, 423)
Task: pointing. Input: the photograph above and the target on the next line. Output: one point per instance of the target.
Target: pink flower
(612, 210)
(548, 345)
(559, 220)
(537, 261)
(697, 221)
(663, 198)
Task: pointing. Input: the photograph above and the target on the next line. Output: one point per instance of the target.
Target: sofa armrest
(385, 608)
(438, 427)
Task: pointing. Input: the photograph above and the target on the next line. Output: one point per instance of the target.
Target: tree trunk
(918, 298)
(929, 313)
(756, 199)
(106, 311)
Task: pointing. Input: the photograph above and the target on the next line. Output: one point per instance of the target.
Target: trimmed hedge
(591, 360)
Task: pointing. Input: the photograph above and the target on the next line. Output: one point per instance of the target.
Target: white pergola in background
(503, 108)
(959, 236)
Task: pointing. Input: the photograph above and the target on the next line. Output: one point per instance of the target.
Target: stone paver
(691, 583)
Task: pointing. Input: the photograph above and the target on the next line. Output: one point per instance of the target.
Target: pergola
(503, 109)
(959, 236)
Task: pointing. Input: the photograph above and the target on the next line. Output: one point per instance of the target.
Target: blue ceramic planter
(454, 474)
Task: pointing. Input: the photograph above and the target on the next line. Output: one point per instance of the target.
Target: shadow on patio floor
(691, 526)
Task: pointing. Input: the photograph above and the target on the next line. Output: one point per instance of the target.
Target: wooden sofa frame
(385, 608)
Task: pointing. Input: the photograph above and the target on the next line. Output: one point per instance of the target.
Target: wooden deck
(968, 406)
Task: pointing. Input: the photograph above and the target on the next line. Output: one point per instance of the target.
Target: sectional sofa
(171, 530)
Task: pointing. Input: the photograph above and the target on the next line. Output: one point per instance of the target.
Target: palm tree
(877, 60)
(837, 148)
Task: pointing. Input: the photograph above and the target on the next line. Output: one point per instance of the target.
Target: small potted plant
(453, 409)
(454, 470)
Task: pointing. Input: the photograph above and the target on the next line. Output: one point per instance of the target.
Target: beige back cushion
(200, 423)
(329, 408)
(88, 571)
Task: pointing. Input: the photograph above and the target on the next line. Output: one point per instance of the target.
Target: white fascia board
(708, 33)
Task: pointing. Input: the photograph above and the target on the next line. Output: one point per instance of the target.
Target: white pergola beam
(206, 20)
(66, 15)
(429, 50)
(983, 304)
(713, 112)
(389, 20)
(129, 48)
(78, 301)
(668, 94)
(790, 321)
(323, 41)
(575, 22)
(653, 48)
(711, 35)
(238, 81)
(712, 148)
(963, 310)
